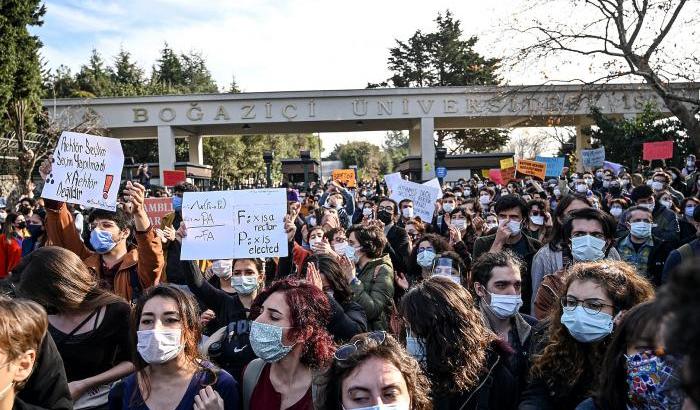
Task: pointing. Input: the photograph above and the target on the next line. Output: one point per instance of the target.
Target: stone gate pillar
(166, 149)
(421, 141)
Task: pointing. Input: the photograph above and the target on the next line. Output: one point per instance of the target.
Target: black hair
(642, 191)
(393, 203)
(509, 202)
(482, 268)
(185, 187)
(590, 214)
(555, 237)
(121, 218)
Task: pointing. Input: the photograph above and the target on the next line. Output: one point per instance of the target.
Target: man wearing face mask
(497, 285)
(398, 247)
(126, 270)
(406, 212)
(171, 248)
(640, 248)
(511, 210)
(449, 203)
(665, 220)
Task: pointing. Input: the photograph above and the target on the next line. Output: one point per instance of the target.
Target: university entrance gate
(421, 111)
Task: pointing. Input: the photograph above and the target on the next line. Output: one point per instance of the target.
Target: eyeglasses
(344, 352)
(591, 306)
(386, 208)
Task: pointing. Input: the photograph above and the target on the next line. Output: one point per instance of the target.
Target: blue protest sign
(554, 165)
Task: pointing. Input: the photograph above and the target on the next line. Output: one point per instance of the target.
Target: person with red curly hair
(290, 338)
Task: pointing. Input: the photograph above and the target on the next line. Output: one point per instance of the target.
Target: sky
(275, 45)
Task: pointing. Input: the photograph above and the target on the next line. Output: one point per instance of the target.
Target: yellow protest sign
(345, 176)
(485, 173)
(507, 163)
(533, 168)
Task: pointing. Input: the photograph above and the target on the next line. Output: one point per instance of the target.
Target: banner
(345, 176)
(157, 208)
(614, 167)
(533, 168)
(495, 176)
(555, 165)
(172, 178)
(86, 170)
(234, 224)
(507, 163)
(593, 158)
(485, 173)
(423, 197)
(657, 150)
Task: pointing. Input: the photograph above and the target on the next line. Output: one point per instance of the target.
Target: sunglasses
(346, 351)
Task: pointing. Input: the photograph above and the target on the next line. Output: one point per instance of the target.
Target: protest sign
(593, 158)
(657, 150)
(485, 173)
(533, 168)
(614, 167)
(172, 178)
(157, 208)
(495, 176)
(508, 174)
(345, 176)
(554, 165)
(434, 183)
(423, 197)
(507, 163)
(234, 224)
(392, 179)
(86, 170)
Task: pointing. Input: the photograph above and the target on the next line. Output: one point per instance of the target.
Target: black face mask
(385, 217)
(22, 225)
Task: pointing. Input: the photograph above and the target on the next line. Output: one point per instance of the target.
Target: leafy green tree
(444, 58)
(369, 158)
(396, 146)
(126, 76)
(624, 138)
(93, 78)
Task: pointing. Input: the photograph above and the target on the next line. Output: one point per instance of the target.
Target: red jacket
(10, 255)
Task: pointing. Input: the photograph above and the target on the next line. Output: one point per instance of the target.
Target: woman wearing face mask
(486, 196)
(569, 361)
(462, 233)
(636, 373)
(22, 329)
(374, 372)
(347, 317)
(37, 233)
(170, 373)
(460, 352)
(423, 256)
(618, 207)
(685, 221)
(318, 244)
(88, 324)
(229, 346)
(539, 223)
(11, 243)
(289, 336)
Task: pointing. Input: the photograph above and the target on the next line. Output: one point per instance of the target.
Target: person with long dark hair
(11, 242)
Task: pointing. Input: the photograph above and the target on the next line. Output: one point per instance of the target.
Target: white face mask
(244, 284)
(222, 268)
(581, 188)
(514, 227)
(557, 192)
(616, 211)
(159, 346)
(657, 186)
(666, 203)
(367, 211)
(484, 199)
(314, 241)
(460, 224)
(537, 220)
(448, 207)
(505, 306)
(407, 212)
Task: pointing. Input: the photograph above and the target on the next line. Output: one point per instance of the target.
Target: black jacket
(347, 320)
(47, 387)
(398, 248)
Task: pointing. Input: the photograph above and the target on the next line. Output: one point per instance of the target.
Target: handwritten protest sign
(172, 178)
(86, 170)
(593, 158)
(533, 168)
(613, 166)
(157, 208)
(423, 197)
(434, 183)
(234, 224)
(657, 150)
(392, 179)
(554, 165)
(507, 163)
(345, 176)
(495, 176)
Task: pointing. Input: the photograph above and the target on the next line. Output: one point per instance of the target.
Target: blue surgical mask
(586, 327)
(640, 229)
(351, 253)
(689, 211)
(415, 347)
(266, 342)
(101, 241)
(425, 258)
(505, 306)
(177, 203)
(587, 248)
(244, 284)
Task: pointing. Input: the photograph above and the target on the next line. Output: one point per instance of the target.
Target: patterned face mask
(653, 382)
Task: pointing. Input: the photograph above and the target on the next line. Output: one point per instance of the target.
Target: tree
(623, 138)
(126, 76)
(396, 146)
(528, 145)
(93, 78)
(168, 72)
(444, 58)
(626, 39)
(368, 158)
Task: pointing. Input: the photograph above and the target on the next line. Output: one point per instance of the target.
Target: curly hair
(442, 314)
(371, 239)
(310, 313)
(391, 351)
(564, 361)
(439, 243)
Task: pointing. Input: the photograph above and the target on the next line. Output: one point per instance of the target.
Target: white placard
(86, 170)
(423, 197)
(234, 224)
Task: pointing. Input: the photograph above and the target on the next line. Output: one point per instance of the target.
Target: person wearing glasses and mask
(374, 372)
(570, 358)
(497, 284)
(539, 222)
(640, 248)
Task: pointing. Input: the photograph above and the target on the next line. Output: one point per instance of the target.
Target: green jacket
(374, 291)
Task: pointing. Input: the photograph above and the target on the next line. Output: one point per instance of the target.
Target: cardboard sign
(507, 163)
(172, 178)
(485, 173)
(533, 168)
(613, 166)
(593, 158)
(86, 170)
(423, 196)
(508, 175)
(495, 176)
(554, 165)
(345, 176)
(157, 208)
(234, 224)
(657, 150)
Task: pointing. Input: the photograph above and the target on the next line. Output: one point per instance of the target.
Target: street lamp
(268, 156)
(440, 154)
(305, 156)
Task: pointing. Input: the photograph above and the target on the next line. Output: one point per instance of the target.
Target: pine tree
(93, 79)
(126, 76)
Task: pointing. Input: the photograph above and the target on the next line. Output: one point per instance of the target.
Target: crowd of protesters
(576, 292)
